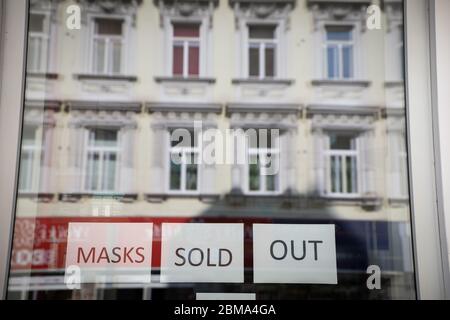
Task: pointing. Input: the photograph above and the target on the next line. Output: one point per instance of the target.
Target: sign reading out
(202, 252)
(290, 253)
(109, 252)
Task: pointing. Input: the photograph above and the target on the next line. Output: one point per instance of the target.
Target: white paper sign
(202, 252)
(109, 252)
(224, 296)
(290, 253)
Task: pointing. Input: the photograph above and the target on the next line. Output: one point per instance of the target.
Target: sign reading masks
(109, 252)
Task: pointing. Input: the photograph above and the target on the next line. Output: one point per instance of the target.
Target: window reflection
(103, 102)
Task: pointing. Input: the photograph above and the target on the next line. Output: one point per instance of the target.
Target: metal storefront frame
(426, 188)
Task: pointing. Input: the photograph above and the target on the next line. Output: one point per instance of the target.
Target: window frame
(186, 45)
(342, 154)
(101, 150)
(124, 38)
(33, 174)
(183, 171)
(340, 45)
(45, 38)
(258, 151)
(261, 44)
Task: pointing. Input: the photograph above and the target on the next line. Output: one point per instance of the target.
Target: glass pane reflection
(103, 102)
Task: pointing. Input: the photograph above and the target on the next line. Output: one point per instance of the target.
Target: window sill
(186, 80)
(89, 76)
(38, 196)
(264, 107)
(361, 2)
(43, 75)
(104, 105)
(350, 83)
(238, 198)
(394, 84)
(43, 104)
(398, 201)
(364, 201)
(183, 107)
(161, 197)
(74, 197)
(285, 82)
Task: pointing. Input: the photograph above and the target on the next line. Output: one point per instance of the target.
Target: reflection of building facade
(102, 101)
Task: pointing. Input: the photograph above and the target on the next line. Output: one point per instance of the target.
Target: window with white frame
(263, 162)
(102, 158)
(262, 45)
(38, 42)
(29, 160)
(184, 155)
(339, 52)
(342, 165)
(186, 50)
(108, 46)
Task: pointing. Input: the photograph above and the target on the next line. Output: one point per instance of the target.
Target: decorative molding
(335, 121)
(262, 9)
(339, 10)
(186, 9)
(124, 7)
(104, 105)
(184, 107)
(268, 118)
(110, 6)
(102, 118)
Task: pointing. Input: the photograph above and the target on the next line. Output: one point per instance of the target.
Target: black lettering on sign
(197, 257)
(284, 250)
(230, 258)
(191, 254)
(110, 255)
(179, 255)
(297, 254)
